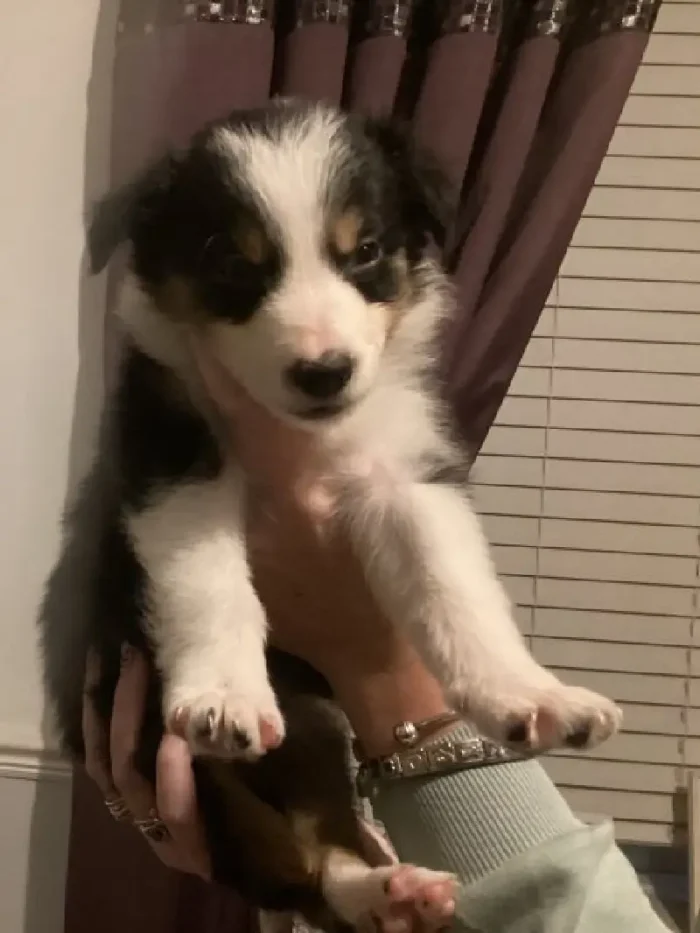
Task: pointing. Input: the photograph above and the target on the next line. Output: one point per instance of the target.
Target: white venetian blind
(590, 479)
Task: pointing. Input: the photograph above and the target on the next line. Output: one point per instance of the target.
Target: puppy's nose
(322, 378)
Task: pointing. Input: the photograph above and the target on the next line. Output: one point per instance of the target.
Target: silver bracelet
(439, 756)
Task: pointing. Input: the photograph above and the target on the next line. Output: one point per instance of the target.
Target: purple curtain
(518, 99)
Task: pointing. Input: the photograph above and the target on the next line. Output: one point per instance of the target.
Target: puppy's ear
(427, 197)
(116, 217)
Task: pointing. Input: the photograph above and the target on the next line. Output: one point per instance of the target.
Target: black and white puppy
(294, 242)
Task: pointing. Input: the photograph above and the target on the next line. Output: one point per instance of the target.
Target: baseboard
(35, 815)
(24, 764)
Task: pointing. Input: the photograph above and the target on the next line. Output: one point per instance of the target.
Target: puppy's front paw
(393, 899)
(417, 899)
(227, 723)
(544, 718)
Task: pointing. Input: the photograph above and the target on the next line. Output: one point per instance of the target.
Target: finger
(127, 720)
(95, 734)
(176, 796)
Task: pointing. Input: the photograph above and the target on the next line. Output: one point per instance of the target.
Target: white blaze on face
(313, 309)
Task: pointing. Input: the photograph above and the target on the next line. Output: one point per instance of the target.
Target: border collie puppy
(293, 242)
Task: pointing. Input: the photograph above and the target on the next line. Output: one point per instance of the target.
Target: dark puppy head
(295, 238)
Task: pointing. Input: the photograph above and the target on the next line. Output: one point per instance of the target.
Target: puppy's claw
(538, 719)
(229, 726)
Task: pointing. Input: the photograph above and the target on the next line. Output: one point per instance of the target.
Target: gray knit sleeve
(472, 821)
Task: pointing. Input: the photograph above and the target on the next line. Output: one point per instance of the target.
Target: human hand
(165, 814)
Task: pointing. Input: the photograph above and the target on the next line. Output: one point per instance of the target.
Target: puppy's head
(295, 239)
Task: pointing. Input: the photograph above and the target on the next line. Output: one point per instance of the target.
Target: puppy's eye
(220, 263)
(221, 260)
(228, 284)
(368, 253)
(228, 268)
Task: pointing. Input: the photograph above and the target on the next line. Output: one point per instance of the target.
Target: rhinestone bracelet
(439, 756)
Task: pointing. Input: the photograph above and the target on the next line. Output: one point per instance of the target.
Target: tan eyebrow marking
(252, 242)
(345, 232)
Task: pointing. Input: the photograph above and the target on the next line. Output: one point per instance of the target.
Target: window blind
(590, 479)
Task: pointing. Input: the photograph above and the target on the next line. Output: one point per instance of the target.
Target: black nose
(324, 377)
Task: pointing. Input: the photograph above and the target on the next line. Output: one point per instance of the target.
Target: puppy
(294, 243)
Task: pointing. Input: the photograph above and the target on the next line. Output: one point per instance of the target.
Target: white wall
(54, 119)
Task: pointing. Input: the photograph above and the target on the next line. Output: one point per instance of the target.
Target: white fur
(156, 335)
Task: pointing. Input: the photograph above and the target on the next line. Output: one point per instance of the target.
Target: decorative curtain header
(392, 17)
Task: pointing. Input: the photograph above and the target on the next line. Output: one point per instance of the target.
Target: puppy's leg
(429, 562)
(206, 622)
(285, 833)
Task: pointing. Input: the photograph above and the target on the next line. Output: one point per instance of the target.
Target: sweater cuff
(471, 822)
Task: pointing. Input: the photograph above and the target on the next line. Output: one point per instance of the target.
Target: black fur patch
(161, 439)
(378, 284)
(417, 186)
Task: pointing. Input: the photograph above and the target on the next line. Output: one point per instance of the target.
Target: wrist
(375, 702)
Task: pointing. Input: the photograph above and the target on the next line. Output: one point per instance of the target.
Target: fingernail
(127, 654)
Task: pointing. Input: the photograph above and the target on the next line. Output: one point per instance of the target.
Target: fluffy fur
(294, 241)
